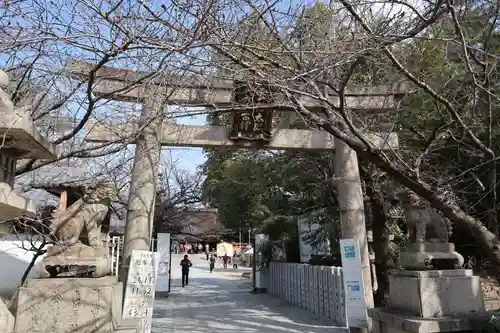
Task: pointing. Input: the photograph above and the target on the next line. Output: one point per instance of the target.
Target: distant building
(194, 225)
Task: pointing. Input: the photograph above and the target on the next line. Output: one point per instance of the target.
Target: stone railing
(317, 289)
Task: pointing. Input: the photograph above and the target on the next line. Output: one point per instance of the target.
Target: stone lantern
(19, 139)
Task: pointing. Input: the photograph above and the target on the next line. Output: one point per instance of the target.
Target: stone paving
(217, 302)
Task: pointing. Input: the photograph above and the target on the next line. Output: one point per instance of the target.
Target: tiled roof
(60, 176)
(200, 223)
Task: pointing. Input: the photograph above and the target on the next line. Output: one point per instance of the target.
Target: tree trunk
(492, 189)
(380, 229)
(382, 250)
(485, 107)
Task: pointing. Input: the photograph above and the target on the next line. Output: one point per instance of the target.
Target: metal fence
(114, 246)
(318, 289)
(114, 249)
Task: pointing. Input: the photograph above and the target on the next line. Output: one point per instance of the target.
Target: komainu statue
(428, 237)
(423, 222)
(70, 228)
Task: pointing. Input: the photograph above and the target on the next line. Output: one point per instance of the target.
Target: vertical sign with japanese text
(353, 283)
(163, 247)
(140, 290)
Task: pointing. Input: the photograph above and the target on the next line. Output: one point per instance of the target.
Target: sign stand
(354, 289)
(170, 270)
(163, 245)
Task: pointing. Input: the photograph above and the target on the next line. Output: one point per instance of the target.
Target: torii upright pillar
(142, 192)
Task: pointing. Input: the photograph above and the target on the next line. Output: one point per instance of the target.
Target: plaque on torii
(254, 124)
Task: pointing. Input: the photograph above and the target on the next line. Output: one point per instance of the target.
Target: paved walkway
(218, 303)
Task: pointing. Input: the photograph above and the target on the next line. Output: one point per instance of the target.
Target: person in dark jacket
(185, 264)
(225, 259)
(212, 263)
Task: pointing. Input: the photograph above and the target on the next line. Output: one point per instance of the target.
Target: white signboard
(260, 280)
(353, 283)
(225, 248)
(163, 247)
(140, 291)
(312, 240)
(305, 248)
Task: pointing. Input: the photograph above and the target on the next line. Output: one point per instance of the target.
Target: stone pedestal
(422, 256)
(71, 305)
(388, 320)
(431, 301)
(6, 319)
(431, 294)
(77, 260)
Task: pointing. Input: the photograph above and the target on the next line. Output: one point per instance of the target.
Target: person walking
(235, 262)
(185, 264)
(182, 247)
(212, 263)
(225, 259)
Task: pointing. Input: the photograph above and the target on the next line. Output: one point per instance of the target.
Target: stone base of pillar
(75, 305)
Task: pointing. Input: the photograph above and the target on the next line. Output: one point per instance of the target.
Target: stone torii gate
(127, 85)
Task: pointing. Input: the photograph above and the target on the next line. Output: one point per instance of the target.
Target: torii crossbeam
(204, 91)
